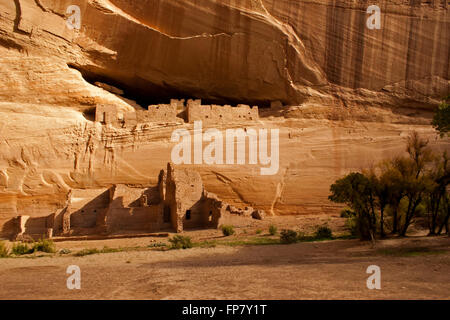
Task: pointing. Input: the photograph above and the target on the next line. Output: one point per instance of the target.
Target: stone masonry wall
(184, 191)
(213, 114)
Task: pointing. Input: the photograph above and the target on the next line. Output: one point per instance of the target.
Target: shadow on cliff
(8, 228)
(145, 93)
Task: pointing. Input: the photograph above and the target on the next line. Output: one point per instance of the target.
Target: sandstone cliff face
(354, 93)
(256, 51)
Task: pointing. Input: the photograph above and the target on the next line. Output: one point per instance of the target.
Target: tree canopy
(441, 120)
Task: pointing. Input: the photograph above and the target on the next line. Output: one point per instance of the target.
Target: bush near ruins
(273, 230)
(288, 236)
(44, 245)
(157, 245)
(4, 252)
(180, 242)
(323, 232)
(21, 248)
(227, 230)
(396, 191)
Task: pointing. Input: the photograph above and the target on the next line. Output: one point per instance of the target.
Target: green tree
(436, 198)
(413, 175)
(404, 185)
(382, 189)
(441, 119)
(445, 208)
(357, 191)
(391, 189)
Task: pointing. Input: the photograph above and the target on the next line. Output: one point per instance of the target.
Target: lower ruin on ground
(179, 201)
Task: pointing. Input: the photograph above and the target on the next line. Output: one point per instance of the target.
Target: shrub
(258, 231)
(107, 249)
(301, 236)
(86, 252)
(4, 252)
(157, 245)
(44, 245)
(441, 119)
(21, 248)
(347, 213)
(180, 242)
(359, 227)
(358, 191)
(288, 236)
(273, 230)
(352, 226)
(323, 232)
(227, 230)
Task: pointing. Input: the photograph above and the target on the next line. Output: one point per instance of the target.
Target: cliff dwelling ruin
(191, 111)
(179, 201)
(342, 95)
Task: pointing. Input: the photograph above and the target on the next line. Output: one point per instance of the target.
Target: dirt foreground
(411, 268)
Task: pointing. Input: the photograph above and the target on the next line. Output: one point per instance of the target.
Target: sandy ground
(411, 268)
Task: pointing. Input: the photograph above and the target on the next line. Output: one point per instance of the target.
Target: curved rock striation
(245, 51)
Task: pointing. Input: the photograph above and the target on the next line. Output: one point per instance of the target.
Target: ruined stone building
(161, 113)
(179, 201)
(213, 114)
(171, 113)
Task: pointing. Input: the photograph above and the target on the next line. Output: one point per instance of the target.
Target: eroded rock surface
(256, 51)
(351, 95)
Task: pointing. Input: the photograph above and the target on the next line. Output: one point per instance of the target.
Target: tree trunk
(445, 223)
(395, 219)
(405, 226)
(446, 219)
(410, 214)
(435, 213)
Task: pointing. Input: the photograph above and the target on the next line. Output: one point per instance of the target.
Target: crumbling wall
(115, 117)
(184, 190)
(145, 219)
(159, 113)
(178, 201)
(168, 113)
(32, 216)
(181, 108)
(85, 207)
(108, 114)
(213, 114)
(134, 209)
(34, 228)
(179, 103)
(125, 196)
(162, 185)
(213, 210)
